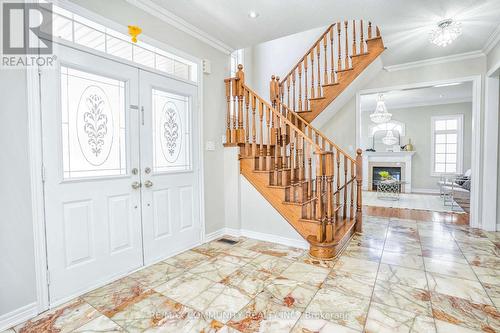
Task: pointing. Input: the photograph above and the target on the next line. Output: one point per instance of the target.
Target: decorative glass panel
(93, 125)
(171, 132)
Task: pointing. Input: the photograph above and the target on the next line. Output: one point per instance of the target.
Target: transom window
(447, 144)
(79, 30)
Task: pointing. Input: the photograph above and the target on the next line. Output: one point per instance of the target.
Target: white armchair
(456, 190)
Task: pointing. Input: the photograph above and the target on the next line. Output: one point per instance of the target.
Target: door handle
(136, 185)
(148, 183)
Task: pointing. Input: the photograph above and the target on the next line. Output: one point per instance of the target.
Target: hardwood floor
(419, 215)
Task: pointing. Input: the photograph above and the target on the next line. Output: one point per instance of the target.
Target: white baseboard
(18, 316)
(257, 235)
(425, 190)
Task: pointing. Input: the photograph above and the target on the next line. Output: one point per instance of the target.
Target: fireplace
(394, 172)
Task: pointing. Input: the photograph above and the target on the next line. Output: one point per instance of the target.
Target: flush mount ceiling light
(389, 139)
(445, 32)
(380, 115)
(253, 14)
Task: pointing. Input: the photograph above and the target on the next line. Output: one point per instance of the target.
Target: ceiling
(419, 97)
(404, 23)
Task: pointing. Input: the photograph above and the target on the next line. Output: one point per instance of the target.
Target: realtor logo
(27, 29)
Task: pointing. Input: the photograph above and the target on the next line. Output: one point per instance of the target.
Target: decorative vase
(409, 146)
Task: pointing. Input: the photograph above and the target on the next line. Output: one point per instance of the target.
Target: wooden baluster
(288, 91)
(339, 48)
(319, 196)
(254, 128)
(354, 48)
(228, 120)
(276, 127)
(312, 73)
(284, 155)
(293, 90)
(272, 93)
(293, 175)
(247, 123)
(377, 31)
(325, 63)
(300, 86)
(269, 135)
(306, 88)
(369, 30)
(337, 197)
(241, 80)
(345, 186)
(332, 57)
(346, 45)
(330, 231)
(359, 182)
(362, 42)
(235, 107)
(318, 54)
(351, 211)
(261, 150)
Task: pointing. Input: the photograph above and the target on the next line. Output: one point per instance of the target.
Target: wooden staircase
(308, 179)
(336, 59)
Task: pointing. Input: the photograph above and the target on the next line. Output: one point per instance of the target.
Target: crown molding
(444, 101)
(492, 40)
(435, 61)
(163, 14)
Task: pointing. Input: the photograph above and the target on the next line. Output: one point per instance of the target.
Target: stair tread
(361, 54)
(316, 98)
(331, 84)
(345, 70)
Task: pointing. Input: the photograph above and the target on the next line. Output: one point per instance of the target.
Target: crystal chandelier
(380, 115)
(389, 139)
(445, 32)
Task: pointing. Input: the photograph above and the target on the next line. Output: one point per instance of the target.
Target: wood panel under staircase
(307, 178)
(333, 62)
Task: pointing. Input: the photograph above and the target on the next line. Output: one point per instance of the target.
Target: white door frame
(36, 161)
(476, 179)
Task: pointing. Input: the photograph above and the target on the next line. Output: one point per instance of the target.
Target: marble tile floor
(397, 276)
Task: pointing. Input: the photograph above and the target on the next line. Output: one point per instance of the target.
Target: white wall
(17, 277)
(277, 57)
(417, 122)
(17, 271)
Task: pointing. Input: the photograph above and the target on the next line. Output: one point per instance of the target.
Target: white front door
(170, 166)
(90, 147)
(121, 170)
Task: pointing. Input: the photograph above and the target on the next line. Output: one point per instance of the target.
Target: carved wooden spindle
(338, 180)
(300, 86)
(329, 197)
(306, 88)
(319, 195)
(241, 80)
(234, 89)
(284, 155)
(359, 182)
(269, 135)
(377, 31)
(318, 54)
(261, 125)
(351, 210)
(369, 30)
(247, 123)
(288, 91)
(293, 165)
(332, 57)
(254, 127)
(276, 127)
(345, 186)
(339, 48)
(277, 90)
(362, 42)
(312, 74)
(354, 48)
(346, 45)
(272, 93)
(325, 52)
(228, 116)
(293, 90)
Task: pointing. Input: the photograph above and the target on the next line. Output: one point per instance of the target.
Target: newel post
(359, 193)
(240, 80)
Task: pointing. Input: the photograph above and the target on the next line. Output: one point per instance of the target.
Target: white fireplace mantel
(402, 158)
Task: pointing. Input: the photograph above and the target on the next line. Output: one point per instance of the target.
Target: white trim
(460, 144)
(18, 316)
(490, 147)
(435, 61)
(476, 131)
(168, 17)
(492, 40)
(302, 244)
(393, 106)
(214, 235)
(37, 190)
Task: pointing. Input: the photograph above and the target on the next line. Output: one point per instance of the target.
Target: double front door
(121, 172)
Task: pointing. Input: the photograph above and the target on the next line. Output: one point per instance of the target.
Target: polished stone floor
(398, 276)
